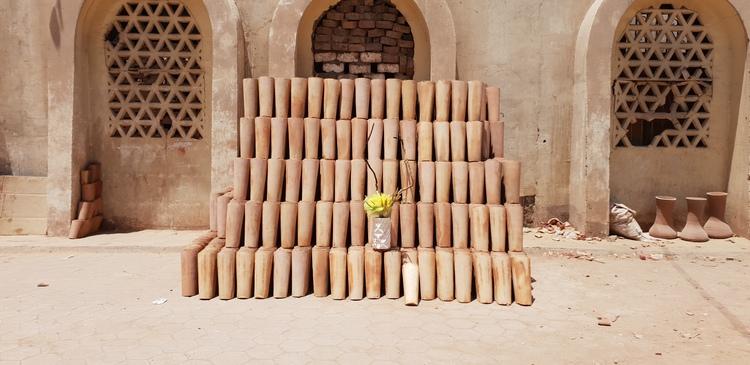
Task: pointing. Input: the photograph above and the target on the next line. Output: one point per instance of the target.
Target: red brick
(368, 2)
(348, 57)
(374, 57)
(343, 47)
(387, 67)
(322, 46)
(406, 44)
(391, 50)
(393, 34)
(358, 32)
(339, 38)
(388, 41)
(401, 20)
(369, 16)
(340, 31)
(325, 57)
(363, 9)
(334, 67)
(357, 40)
(366, 24)
(322, 37)
(388, 17)
(323, 30)
(389, 58)
(383, 24)
(401, 28)
(345, 8)
(407, 51)
(353, 16)
(360, 68)
(375, 33)
(349, 24)
(329, 23)
(375, 76)
(357, 48)
(373, 47)
(334, 15)
(379, 8)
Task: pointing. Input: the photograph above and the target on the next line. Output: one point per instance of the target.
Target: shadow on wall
(56, 24)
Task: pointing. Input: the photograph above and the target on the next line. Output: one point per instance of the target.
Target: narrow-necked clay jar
(693, 230)
(663, 226)
(716, 225)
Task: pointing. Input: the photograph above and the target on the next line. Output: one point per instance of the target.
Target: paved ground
(693, 306)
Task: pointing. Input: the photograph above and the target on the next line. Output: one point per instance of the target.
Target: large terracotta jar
(663, 226)
(716, 226)
(693, 230)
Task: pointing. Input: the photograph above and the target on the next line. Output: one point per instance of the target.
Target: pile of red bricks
(363, 38)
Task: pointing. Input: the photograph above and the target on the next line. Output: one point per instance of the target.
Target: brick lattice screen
(363, 38)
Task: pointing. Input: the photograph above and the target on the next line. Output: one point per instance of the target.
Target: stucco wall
(23, 87)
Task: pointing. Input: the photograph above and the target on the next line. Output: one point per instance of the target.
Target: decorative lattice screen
(154, 58)
(664, 83)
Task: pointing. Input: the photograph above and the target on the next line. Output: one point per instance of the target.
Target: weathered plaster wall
(23, 87)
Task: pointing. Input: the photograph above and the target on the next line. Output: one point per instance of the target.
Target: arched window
(363, 38)
(154, 59)
(663, 83)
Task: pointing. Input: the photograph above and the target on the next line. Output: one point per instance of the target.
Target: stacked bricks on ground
(363, 38)
(89, 218)
(312, 149)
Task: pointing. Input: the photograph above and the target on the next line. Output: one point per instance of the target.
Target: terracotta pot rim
(665, 197)
(717, 193)
(695, 198)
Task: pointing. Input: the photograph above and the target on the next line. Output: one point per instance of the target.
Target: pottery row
(715, 225)
(89, 217)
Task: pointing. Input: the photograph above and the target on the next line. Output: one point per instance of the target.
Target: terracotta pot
(395, 221)
(410, 255)
(359, 138)
(358, 226)
(262, 137)
(408, 180)
(426, 94)
(301, 263)
(347, 98)
(514, 218)
(355, 273)
(408, 139)
(460, 175)
(373, 272)
(391, 145)
(476, 182)
(375, 138)
(501, 278)
(245, 260)
(320, 271)
(358, 185)
(315, 97)
(426, 224)
(341, 189)
(323, 223)
(212, 210)
(340, 224)
(208, 272)
(493, 176)
(460, 223)
(263, 272)
(493, 103)
(331, 92)
(293, 177)
(250, 98)
(410, 274)
(247, 137)
(225, 267)
(427, 273)
(344, 139)
(390, 176)
(258, 175)
(474, 100)
(288, 225)
(275, 183)
(310, 169)
(266, 96)
(443, 181)
(222, 204)
(479, 219)
(693, 230)
(486, 141)
(409, 99)
(474, 141)
(253, 219)
(328, 139)
(327, 180)
(441, 137)
(521, 273)
(270, 228)
(498, 227)
(442, 100)
(497, 132)
(278, 137)
(235, 219)
(312, 137)
(424, 141)
(408, 224)
(512, 181)
(664, 223)
(392, 273)
(377, 98)
(296, 135)
(444, 266)
(483, 276)
(442, 224)
(462, 270)
(86, 210)
(299, 97)
(375, 182)
(88, 192)
(426, 180)
(458, 141)
(393, 99)
(362, 97)
(282, 90)
(381, 234)
(716, 225)
(189, 269)
(459, 96)
(305, 223)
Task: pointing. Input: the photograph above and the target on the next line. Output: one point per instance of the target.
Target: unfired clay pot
(693, 230)
(664, 223)
(716, 226)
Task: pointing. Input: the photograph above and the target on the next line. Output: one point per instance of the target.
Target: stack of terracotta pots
(89, 218)
(696, 228)
(312, 149)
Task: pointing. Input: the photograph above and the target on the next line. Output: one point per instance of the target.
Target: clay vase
(459, 96)
(314, 97)
(424, 141)
(410, 275)
(442, 100)
(358, 179)
(442, 224)
(474, 141)
(476, 182)
(241, 178)
(301, 266)
(427, 273)
(312, 137)
(278, 137)
(462, 270)
(393, 98)
(475, 95)
(296, 136)
(344, 139)
(391, 145)
(497, 134)
(460, 224)
(460, 175)
(458, 141)
(310, 169)
(662, 227)
(426, 224)
(266, 96)
(327, 180)
(340, 224)
(374, 138)
(377, 99)
(263, 137)
(355, 273)
(358, 225)
(362, 98)
(347, 97)
(392, 273)
(375, 182)
(293, 175)
(250, 97)
(337, 268)
(288, 225)
(408, 225)
(493, 103)
(426, 95)
(409, 99)
(282, 272)
(479, 220)
(359, 138)
(282, 90)
(247, 137)
(390, 176)
(258, 175)
(299, 97)
(341, 188)
(408, 136)
(426, 181)
(373, 272)
(493, 174)
(444, 266)
(320, 272)
(331, 93)
(305, 223)
(253, 219)
(408, 180)
(328, 139)
(276, 169)
(270, 224)
(323, 223)
(512, 181)
(693, 230)
(716, 225)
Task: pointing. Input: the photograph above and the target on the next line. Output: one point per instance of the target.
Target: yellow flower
(379, 204)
